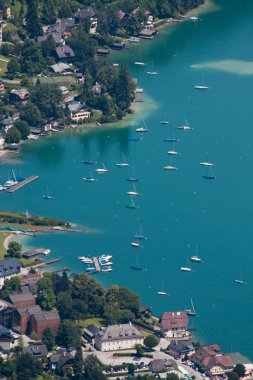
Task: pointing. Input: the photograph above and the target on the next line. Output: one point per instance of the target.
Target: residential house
(6, 124)
(19, 96)
(118, 337)
(102, 52)
(60, 67)
(175, 325)
(212, 361)
(78, 111)
(90, 332)
(1, 86)
(21, 300)
(8, 268)
(147, 33)
(6, 339)
(39, 351)
(179, 349)
(60, 360)
(65, 53)
(87, 14)
(96, 89)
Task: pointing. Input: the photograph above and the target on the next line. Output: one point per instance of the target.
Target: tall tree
(48, 339)
(78, 364)
(32, 20)
(31, 114)
(13, 136)
(68, 335)
(124, 88)
(23, 128)
(48, 12)
(46, 298)
(14, 249)
(92, 370)
(151, 341)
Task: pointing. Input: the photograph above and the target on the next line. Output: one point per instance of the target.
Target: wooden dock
(22, 183)
(97, 264)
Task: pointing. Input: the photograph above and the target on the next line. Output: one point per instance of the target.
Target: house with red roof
(174, 324)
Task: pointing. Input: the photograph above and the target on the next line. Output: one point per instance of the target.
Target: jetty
(63, 269)
(97, 264)
(22, 183)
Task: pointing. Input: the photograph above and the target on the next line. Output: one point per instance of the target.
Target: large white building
(118, 337)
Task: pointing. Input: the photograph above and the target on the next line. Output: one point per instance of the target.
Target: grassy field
(59, 80)
(91, 321)
(3, 64)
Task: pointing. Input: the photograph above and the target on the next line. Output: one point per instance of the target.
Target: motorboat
(169, 167)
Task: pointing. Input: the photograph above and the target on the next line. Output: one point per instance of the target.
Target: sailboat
(102, 170)
(164, 122)
(185, 127)
(133, 178)
(207, 162)
(136, 266)
(194, 18)
(143, 128)
(152, 72)
(196, 258)
(209, 174)
(140, 63)
(241, 282)
(172, 151)
(88, 162)
(140, 235)
(170, 167)
(136, 244)
(186, 269)
(123, 163)
(191, 312)
(89, 178)
(131, 205)
(134, 192)
(47, 196)
(202, 86)
(162, 292)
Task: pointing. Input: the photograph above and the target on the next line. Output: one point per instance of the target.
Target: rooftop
(60, 67)
(39, 350)
(22, 93)
(19, 297)
(75, 107)
(65, 52)
(46, 316)
(29, 310)
(85, 13)
(9, 267)
(119, 332)
(174, 320)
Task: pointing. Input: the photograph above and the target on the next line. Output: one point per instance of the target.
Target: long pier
(22, 183)
(97, 264)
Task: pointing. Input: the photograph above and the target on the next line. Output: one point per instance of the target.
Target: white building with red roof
(174, 324)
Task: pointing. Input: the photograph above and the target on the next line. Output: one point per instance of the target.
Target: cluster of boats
(104, 263)
(11, 182)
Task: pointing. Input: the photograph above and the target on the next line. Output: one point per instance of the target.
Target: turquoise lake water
(177, 210)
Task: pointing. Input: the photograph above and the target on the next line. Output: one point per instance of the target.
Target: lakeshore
(176, 227)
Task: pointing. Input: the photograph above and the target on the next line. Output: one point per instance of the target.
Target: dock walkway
(22, 183)
(97, 264)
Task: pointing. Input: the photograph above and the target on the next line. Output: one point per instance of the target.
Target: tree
(31, 114)
(48, 12)
(23, 128)
(13, 66)
(78, 364)
(27, 367)
(124, 89)
(46, 297)
(48, 339)
(151, 341)
(32, 61)
(139, 349)
(48, 46)
(131, 368)
(68, 335)
(48, 98)
(32, 20)
(172, 376)
(92, 370)
(13, 136)
(65, 11)
(240, 370)
(14, 249)
(232, 375)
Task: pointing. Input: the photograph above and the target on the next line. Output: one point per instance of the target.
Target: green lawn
(60, 80)
(3, 64)
(91, 321)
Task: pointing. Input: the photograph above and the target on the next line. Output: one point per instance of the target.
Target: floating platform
(97, 264)
(22, 183)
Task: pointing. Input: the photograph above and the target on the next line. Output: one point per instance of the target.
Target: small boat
(106, 263)
(90, 270)
(102, 170)
(201, 87)
(162, 293)
(10, 183)
(196, 258)
(152, 72)
(173, 140)
(133, 178)
(134, 40)
(107, 257)
(194, 18)
(109, 269)
(191, 312)
(143, 128)
(123, 164)
(136, 266)
(210, 173)
(133, 138)
(140, 63)
(206, 163)
(172, 152)
(164, 122)
(86, 261)
(169, 167)
(89, 179)
(185, 127)
(88, 162)
(186, 269)
(134, 192)
(84, 257)
(47, 196)
(2, 187)
(136, 244)
(241, 282)
(140, 235)
(131, 205)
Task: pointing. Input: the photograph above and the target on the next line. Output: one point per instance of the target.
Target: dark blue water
(177, 210)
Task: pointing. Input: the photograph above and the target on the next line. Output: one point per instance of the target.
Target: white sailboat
(185, 127)
(191, 312)
(170, 167)
(206, 163)
(102, 170)
(186, 269)
(140, 235)
(47, 196)
(172, 151)
(134, 192)
(195, 257)
(143, 128)
(201, 86)
(89, 178)
(123, 163)
(195, 17)
(140, 63)
(162, 292)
